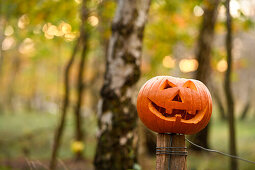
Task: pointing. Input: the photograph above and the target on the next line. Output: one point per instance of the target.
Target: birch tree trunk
(203, 56)
(117, 139)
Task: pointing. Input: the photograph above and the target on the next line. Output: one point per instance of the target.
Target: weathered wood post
(171, 152)
(173, 107)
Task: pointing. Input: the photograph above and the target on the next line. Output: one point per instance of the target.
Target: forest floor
(26, 140)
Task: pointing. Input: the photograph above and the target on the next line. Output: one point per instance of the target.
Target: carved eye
(190, 84)
(167, 84)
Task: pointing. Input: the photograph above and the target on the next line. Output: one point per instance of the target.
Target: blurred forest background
(46, 43)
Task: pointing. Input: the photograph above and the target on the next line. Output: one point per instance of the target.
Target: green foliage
(41, 68)
(169, 23)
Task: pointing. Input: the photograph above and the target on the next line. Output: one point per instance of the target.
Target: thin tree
(14, 72)
(219, 102)
(84, 35)
(205, 40)
(228, 91)
(117, 140)
(3, 23)
(2, 26)
(247, 106)
(245, 109)
(66, 100)
(65, 105)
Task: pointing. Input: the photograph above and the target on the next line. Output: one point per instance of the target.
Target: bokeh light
(8, 30)
(78, 1)
(52, 30)
(27, 46)
(168, 62)
(93, 20)
(23, 21)
(188, 65)
(8, 43)
(198, 11)
(65, 27)
(77, 146)
(70, 36)
(222, 65)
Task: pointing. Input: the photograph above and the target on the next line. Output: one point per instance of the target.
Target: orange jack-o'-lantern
(167, 104)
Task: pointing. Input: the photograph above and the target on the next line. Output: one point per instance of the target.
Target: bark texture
(205, 40)
(228, 90)
(117, 139)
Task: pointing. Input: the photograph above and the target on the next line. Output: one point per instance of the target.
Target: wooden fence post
(171, 152)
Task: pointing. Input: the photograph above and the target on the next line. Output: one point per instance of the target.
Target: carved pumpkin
(167, 104)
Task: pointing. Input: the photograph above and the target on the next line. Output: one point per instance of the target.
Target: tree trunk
(220, 106)
(247, 105)
(60, 129)
(84, 35)
(16, 63)
(245, 110)
(203, 56)
(59, 132)
(2, 26)
(219, 102)
(117, 140)
(228, 91)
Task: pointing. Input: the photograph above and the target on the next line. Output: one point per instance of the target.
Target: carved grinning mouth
(175, 112)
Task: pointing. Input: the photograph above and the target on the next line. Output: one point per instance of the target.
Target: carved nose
(177, 97)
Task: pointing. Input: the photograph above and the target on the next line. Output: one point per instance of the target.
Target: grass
(30, 135)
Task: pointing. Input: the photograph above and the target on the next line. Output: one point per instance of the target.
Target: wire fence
(219, 152)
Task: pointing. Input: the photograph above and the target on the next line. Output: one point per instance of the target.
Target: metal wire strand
(166, 152)
(169, 151)
(222, 153)
(171, 147)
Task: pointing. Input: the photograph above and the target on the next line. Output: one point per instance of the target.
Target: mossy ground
(28, 136)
